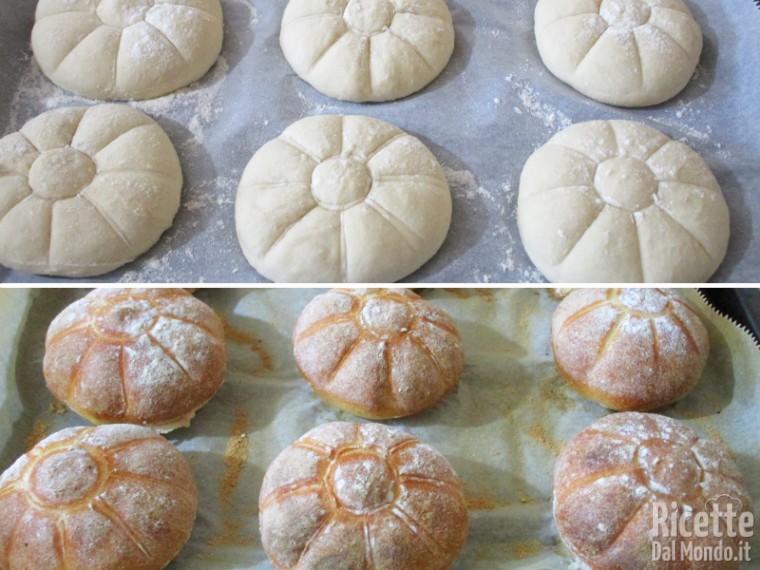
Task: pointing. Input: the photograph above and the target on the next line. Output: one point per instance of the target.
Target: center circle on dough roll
(669, 469)
(61, 173)
(339, 183)
(123, 13)
(625, 14)
(362, 481)
(386, 317)
(625, 183)
(65, 477)
(369, 17)
(126, 319)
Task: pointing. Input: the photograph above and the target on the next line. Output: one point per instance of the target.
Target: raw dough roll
(619, 202)
(609, 478)
(142, 356)
(353, 496)
(367, 50)
(126, 49)
(378, 353)
(342, 200)
(629, 349)
(109, 497)
(630, 53)
(85, 190)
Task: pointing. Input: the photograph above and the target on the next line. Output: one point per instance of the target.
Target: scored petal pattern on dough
(390, 354)
(378, 496)
(109, 169)
(367, 50)
(131, 352)
(649, 196)
(126, 49)
(622, 52)
(376, 179)
(604, 491)
(73, 484)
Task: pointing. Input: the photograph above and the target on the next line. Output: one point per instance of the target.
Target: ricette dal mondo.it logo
(719, 533)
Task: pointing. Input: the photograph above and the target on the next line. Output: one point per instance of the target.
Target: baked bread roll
(355, 496)
(629, 349)
(378, 353)
(108, 497)
(140, 356)
(611, 477)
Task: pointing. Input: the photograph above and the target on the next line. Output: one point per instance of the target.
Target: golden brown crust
(609, 477)
(378, 353)
(361, 496)
(144, 356)
(629, 349)
(108, 497)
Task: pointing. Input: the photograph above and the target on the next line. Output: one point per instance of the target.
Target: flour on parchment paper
(529, 102)
(216, 195)
(36, 94)
(464, 185)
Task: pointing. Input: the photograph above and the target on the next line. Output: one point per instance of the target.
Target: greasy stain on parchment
(484, 294)
(235, 459)
(41, 427)
(255, 344)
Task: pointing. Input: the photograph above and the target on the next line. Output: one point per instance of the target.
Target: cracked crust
(110, 497)
(625, 193)
(142, 356)
(85, 190)
(367, 495)
(609, 476)
(126, 49)
(367, 50)
(631, 53)
(377, 353)
(339, 199)
(629, 349)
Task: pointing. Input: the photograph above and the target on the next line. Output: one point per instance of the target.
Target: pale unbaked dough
(126, 49)
(367, 50)
(617, 201)
(85, 190)
(342, 199)
(630, 53)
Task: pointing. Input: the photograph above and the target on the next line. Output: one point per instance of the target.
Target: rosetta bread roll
(142, 356)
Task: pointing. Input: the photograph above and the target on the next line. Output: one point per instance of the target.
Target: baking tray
(502, 430)
(490, 109)
(740, 305)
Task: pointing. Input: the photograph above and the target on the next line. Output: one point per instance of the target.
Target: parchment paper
(501, 431)
(493, 105)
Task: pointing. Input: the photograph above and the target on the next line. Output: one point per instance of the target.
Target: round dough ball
(361, 496)
(367, 50)
(630, 53)
(378, 353)
(109, 497)
(85, 190)
(617, 201)
(342, 199)
(629, 349)
(141, 356)
(609, 478)
(126, 49)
